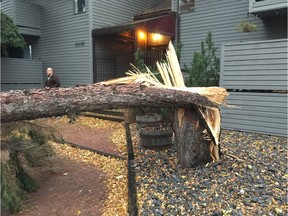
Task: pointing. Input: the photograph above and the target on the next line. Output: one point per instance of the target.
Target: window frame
(76, 8)
(186, 10)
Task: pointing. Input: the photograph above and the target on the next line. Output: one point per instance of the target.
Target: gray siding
(118, 12)
(65, 42)
(7, 7)
(25, 15)
(21, 73)
(256, 66)
(257, 112)
(64, 33)
(260, 65)
(247, 62)
(27, 18)
(221, 18)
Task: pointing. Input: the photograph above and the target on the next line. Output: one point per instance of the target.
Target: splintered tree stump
(192, 147)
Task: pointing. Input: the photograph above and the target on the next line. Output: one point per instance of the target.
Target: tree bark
(193, 144)
(37, 103)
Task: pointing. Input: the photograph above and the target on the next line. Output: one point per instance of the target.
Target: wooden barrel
(147, 121)
(156, 139)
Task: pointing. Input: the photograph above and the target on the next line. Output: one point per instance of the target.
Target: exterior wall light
(141, 35)
(157, 37)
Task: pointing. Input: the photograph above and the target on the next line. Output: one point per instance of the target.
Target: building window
(186, 5)
(79, 6)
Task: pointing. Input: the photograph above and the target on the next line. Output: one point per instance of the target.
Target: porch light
(157, 37)
(141, 35)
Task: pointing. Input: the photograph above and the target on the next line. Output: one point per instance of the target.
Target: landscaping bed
(250, 179)
(77, 181)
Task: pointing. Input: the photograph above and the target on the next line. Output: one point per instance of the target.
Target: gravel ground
(250, 179)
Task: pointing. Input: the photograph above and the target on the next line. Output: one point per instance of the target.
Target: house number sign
(80, 44)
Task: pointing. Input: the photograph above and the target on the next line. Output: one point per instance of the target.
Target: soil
(76, 188)
(86, 136)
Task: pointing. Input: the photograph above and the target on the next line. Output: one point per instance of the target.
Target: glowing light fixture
(141, 35)
(157, 37)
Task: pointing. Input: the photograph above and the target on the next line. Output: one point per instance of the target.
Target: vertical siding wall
(260, 69)
(221, 18)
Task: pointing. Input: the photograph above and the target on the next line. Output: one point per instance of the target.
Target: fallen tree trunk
(37, 103)
(196, 123)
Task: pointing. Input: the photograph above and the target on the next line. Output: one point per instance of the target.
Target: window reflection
(79, 6)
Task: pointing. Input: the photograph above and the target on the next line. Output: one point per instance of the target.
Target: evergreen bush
(10, 36)
(27, 146)
(205, 66)
(12, 195)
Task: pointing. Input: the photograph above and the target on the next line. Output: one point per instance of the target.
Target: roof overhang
(268, 14)
(162, 24)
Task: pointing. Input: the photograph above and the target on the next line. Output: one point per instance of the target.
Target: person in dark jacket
(52, 81)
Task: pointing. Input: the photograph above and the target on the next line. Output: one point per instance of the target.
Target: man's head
(49, 71)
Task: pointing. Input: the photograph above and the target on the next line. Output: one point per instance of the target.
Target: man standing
(52, 80)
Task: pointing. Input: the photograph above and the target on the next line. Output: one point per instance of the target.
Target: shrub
(245, 26)
(25, 146)
(10, 36)
(12, 195)
(205, 66)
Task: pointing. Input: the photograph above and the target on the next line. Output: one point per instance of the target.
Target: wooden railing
(19, 73)
(255, 74)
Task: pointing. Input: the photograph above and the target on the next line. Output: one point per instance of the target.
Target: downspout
(92, 62)
(178, 22)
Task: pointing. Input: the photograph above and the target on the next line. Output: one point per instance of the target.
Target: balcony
(25, 15)
(266, 9)
(27, 18)
(17, 73)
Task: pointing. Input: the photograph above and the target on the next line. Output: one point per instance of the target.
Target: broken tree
(196, 122)
(196, 127)
(36, 103)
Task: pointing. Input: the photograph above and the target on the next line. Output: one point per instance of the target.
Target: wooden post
(129, 116)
